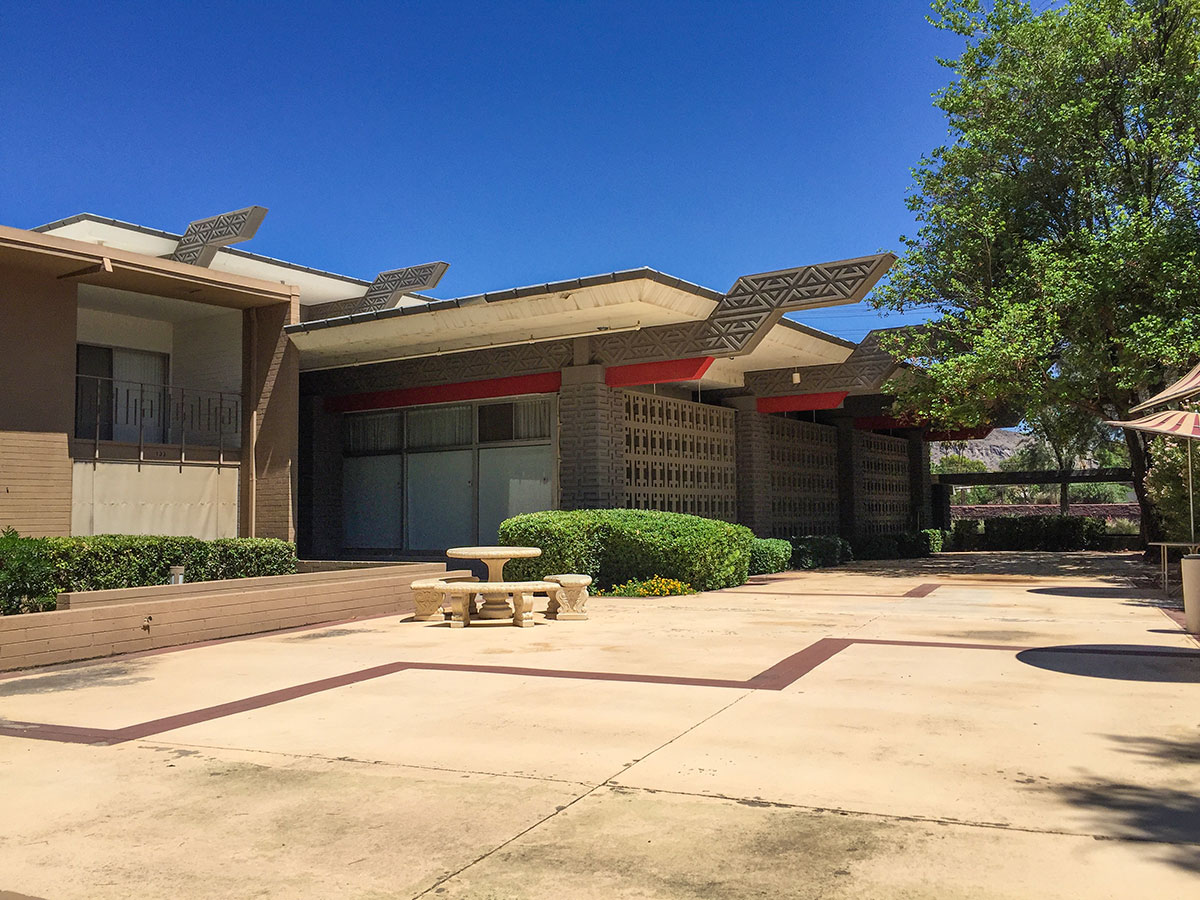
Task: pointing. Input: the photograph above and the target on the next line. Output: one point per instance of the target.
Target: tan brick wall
(284, 601)
(35, 483)
(271, 387)
(37, 352)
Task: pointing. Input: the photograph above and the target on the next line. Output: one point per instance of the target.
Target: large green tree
(1059, 227)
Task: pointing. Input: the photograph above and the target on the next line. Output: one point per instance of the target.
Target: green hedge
(109, 561)
(769, 555)
(1048, 533)
(615, 546)
(820, 551)
(909, 545)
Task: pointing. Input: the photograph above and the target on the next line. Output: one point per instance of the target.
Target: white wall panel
(121, 498)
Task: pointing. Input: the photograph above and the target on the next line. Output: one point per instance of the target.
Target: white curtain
(374, 433)
(531, 419)
(442, 426)
(139, 393)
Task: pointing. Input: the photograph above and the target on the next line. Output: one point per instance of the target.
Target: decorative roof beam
(385, 292)
(864, 371)
(744, 315)
(204, 237)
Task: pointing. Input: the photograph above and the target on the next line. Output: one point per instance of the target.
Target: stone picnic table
(495, 603)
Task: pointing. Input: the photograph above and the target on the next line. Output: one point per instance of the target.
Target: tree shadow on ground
(1164, 749)
(1117, 569)
(1120, 662)
(1135, 812)
(103, 675)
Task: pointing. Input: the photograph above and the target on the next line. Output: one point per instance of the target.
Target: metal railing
(133, 412)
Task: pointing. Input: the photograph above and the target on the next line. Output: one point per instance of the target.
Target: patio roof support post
(752, 441)
(591, 440)
(849, 477)
(270, 416)
(919, 481)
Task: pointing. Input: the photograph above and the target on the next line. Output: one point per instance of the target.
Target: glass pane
(93, 392)
(375, 433)
(372, 504)
(440, 496)
(139, 395)
(531, 419)
(495, 422)
(513, 480)
(439, 426)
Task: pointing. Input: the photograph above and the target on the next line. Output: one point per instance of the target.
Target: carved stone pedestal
(569, 603)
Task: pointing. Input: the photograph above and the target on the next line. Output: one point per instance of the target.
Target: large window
(433, 477)
(120, 394)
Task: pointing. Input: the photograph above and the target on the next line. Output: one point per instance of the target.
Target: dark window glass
(496, 422)
(93, 392)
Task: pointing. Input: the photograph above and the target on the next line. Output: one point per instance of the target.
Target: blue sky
(522, 142)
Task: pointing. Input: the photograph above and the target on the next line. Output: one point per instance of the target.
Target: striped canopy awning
(1187, 386)
(1172, 422)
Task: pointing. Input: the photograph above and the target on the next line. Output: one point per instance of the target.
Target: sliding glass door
(433, 477)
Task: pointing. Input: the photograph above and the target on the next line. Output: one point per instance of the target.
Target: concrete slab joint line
(775, 678)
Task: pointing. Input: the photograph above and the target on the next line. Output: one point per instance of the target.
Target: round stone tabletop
(493, 552)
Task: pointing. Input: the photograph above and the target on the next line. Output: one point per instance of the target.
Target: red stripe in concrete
(511, 386)
(796, 666)
(776, 678)
(921, 590)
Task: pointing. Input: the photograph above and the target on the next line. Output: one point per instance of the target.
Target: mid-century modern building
(166, 383)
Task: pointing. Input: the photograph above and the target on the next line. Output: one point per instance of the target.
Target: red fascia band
(657, 372)
(547, 383)
(801, 402)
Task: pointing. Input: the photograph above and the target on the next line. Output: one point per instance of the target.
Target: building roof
(316, 285)
(84, 262)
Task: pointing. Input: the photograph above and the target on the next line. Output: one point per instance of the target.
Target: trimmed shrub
(820, 551)
(111, 561)
(615, 546)
(1048, 533)
(769, 555)
(920, 544)
(878, 546)
(964, 534)
(26, 583)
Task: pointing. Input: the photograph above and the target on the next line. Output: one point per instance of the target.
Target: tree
(957, 462)
(1059, 230)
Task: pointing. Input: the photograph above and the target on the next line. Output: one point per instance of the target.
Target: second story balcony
(155, 421)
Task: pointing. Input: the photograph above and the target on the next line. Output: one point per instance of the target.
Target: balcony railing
(132, 412)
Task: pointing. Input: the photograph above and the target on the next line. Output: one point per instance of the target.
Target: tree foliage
(1059, 228)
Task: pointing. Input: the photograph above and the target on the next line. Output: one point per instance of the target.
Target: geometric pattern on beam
(744, 315)
(384, 293)
(204, 237)
(863, 372)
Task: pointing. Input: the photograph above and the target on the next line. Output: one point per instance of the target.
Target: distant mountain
(997, 446)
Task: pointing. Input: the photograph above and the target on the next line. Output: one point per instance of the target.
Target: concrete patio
(885, 730)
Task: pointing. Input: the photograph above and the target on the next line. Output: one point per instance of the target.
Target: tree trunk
(1064, 498)
(1151, 528)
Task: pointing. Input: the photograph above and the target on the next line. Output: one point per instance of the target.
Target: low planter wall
(102, 623)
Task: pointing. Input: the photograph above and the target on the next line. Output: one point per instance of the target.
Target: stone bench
(428, 602)
(521, 593)
(569, 604)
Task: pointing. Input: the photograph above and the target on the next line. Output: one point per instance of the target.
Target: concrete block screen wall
(885, 497)
(679, 456)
